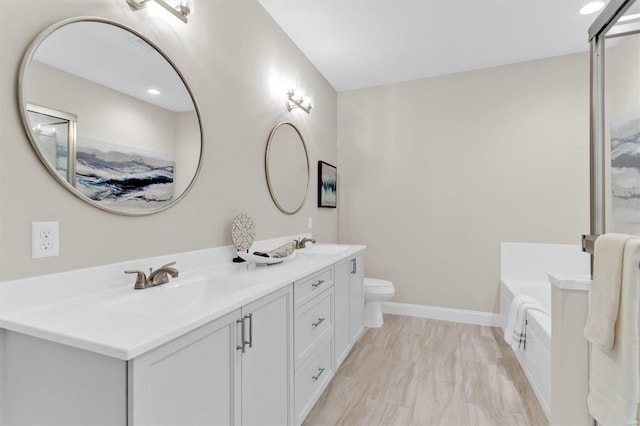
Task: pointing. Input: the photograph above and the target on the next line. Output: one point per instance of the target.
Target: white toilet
(375, 292)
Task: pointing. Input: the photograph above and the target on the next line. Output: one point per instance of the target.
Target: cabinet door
(356, 297)
(341, 305)
(193, 380)
(267, 363)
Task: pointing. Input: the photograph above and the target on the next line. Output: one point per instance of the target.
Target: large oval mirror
(110, 116)
(287, 167)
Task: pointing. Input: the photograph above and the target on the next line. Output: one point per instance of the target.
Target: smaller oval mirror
(287, 167)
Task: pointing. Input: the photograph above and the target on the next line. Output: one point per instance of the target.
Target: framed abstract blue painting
(327, 185)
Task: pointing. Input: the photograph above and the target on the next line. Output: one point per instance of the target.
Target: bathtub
(524, 268)
(535, 360)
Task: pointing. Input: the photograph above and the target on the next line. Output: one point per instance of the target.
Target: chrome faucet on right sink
(301, 243)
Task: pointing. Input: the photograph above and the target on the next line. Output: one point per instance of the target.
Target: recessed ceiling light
(153, 92)
(592, 7)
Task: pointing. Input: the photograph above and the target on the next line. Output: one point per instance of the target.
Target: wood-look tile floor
(416, 371)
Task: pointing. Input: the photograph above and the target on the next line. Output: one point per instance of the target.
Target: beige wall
(239, 65)
(435, 173)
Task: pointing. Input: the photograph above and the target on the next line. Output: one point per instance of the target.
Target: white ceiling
(362, 43)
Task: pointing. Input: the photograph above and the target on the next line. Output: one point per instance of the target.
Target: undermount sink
(325, 249)
(173, 297)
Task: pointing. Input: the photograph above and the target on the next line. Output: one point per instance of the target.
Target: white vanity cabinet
(258, 348)
(195, 379)
(210, 377)
(349, 305)
(267, 363)
(314, 337)
(200, 378)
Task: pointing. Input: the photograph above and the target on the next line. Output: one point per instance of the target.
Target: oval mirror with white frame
(287, 167)
(110, 116)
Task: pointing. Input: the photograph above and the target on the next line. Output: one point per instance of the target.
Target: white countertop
(123, 323)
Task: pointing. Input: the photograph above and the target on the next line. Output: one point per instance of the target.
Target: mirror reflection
(287, 168)
(110, 117)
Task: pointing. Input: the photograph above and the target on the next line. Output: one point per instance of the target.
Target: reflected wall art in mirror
(287, 167)
(110, 116)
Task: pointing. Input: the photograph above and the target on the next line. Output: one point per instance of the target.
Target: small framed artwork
(327, 185)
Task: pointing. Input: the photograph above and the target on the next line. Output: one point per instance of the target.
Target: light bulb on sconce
(180, 9)
(299, 102)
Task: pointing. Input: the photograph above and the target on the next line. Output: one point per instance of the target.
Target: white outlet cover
(45, 239)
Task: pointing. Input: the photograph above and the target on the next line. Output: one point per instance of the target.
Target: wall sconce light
(180, 9)
(292, 102)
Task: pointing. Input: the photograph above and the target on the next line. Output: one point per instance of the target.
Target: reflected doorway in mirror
(327, 185)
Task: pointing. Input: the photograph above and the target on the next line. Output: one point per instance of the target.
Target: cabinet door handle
(317, 284)
(317, 376)
(250, 318)
(241, 322)
(353, 266)
(315, 324)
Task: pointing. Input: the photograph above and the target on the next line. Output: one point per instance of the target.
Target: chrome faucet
(301, 243)
(157, 277)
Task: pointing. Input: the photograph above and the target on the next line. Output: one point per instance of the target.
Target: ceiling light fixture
(592, 7)
(181, 10)
(300, 102)
(153, 91)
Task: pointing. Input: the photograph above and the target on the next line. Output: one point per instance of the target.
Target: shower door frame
(72, 121)
(597, 35)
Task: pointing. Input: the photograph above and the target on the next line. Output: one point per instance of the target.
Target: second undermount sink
(325, 249)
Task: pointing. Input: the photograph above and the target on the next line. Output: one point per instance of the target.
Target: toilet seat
(375, 282)
(386, 290)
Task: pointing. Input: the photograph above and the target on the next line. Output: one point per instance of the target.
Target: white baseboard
(444, 314)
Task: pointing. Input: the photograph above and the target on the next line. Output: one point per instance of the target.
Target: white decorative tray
(261, 259)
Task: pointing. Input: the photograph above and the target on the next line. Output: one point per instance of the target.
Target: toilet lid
(375, 282)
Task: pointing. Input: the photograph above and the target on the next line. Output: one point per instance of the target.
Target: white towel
(614, 379)
(515, 330)
(605, 292)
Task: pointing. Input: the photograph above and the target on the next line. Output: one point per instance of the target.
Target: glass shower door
(622, 123)
(615, 121)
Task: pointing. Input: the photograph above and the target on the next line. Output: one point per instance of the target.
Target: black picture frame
(327, 185)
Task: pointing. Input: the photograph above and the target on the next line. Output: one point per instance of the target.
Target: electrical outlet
(45, 239)
(310, 223)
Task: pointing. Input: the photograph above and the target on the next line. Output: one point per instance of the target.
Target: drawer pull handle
(250, 318)
(315, 324)
(317, 376)
(317, 284)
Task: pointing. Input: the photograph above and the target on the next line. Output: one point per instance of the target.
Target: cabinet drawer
(312, 378)
(313, 321)
(307, 288)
